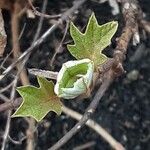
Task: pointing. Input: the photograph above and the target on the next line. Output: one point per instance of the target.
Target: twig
(6, 130)
(17, 142)
(30, 134)
(43, 37)
(5, 136)
(4, 98)
(15, 40)
(40, 22)
(10, 105)
(42, 14)
(44, 73)
(146, 25)
(60, 44)
(95, 126)
(130, 12)
(6, 88)
(5, 59)
(85, 146)
(22, 31)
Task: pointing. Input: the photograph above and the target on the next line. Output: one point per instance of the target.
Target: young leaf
(37, 102)
(93, 41)
(74, 78)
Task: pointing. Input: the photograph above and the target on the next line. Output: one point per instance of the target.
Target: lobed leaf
(93, 41)
(37, 102)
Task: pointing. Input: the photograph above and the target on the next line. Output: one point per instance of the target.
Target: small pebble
(133, 75)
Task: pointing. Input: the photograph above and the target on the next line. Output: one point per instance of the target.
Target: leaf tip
(72, 26)
(115, 24)
(93, 15)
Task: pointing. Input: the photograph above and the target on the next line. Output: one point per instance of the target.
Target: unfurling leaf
(74, 78)
(93, 41)
(37, 102)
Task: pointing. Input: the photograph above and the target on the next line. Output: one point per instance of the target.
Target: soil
(124, 111)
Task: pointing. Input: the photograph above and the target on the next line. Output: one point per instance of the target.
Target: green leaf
(37, 102)
(93, 41)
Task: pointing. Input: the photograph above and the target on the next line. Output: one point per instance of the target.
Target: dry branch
(42, 14)
(12, 96)
(95, 126)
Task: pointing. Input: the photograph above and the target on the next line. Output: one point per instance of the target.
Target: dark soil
(124, 110)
